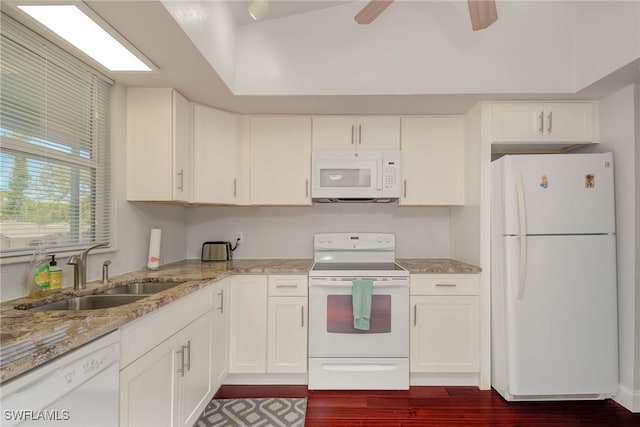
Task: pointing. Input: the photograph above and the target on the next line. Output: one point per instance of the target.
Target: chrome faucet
(79, 263)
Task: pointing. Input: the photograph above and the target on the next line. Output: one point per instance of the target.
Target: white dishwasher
(76, 389)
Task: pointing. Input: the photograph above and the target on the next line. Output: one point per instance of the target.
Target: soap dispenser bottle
(55, 274)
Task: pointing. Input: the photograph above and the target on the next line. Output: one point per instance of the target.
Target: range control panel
(354, 241)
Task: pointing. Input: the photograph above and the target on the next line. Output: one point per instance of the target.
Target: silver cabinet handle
(415, 314)
(405, 189)
(181, 368)
(353, 131)
(549, 121)
(446, 285)
(359, 134)
(235, 187)
(286, 286)
(181, 175)
(302, 315)
(188, 357)
(306, 187)
(541, 120)
(221, 308)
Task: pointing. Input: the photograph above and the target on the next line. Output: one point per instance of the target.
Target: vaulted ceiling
(418, 57)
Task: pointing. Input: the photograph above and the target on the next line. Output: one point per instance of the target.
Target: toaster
(216, 251)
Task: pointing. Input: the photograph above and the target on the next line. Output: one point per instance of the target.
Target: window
(54, 146)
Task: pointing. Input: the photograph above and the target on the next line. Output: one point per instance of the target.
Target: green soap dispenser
(55, 274)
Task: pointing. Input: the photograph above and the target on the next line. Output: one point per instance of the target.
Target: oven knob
(321, 239)
(329, 239)
(379, 239)
(387, 239)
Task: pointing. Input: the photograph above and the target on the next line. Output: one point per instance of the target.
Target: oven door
(331, 331)
(346, 177)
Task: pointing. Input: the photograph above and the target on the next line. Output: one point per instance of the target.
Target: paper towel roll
(153, 261)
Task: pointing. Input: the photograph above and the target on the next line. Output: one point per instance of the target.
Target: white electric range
(340, 356)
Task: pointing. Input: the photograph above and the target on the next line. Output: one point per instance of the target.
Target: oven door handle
(347, 285)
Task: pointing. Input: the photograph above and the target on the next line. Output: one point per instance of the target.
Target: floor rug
(271, 412)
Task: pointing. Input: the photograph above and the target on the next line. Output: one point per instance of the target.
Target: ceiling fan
(483, 12)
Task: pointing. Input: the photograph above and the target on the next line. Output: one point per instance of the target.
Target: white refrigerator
(553, 281)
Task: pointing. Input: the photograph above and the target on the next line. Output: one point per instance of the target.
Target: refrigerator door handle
(523, 237)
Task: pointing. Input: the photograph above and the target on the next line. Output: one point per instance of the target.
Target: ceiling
(152, 30)
(279, 8)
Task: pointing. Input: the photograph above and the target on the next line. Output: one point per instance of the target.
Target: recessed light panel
(73, 25)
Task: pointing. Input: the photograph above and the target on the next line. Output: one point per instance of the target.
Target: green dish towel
(361, 291)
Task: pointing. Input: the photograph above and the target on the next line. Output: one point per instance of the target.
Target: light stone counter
(437, 265)
(31, 338)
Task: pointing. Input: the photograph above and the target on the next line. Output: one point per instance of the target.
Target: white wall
(619, 121)
(413, 47)
(607, 38)
(272, 232)
(211, 27)
(132, 224)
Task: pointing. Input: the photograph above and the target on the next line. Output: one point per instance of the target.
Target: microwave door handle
(379, 175)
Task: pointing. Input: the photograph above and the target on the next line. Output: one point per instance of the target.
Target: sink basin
(141, 288)
(90, 302)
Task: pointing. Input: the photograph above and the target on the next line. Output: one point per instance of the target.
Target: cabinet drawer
(144, 333)
(446, 284)
(288, 285)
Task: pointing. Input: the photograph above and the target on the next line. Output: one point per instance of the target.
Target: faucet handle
(105, 271)
(72, 260)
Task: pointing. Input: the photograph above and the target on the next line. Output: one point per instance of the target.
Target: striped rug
(269, 412)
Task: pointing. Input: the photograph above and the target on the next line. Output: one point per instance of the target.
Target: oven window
(340, 315)
(340, 178)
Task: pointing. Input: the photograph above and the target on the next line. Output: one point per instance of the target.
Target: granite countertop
(437, 265)
(31, 338)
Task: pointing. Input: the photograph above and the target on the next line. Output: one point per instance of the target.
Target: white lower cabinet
(248, 324)
(221, 306)
(268, 326)
(445, 324)
(171, 384)
(287, 335)
(166, 375)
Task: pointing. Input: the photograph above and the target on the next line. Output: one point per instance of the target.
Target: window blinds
(55, 149)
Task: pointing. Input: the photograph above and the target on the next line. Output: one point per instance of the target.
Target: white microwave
(355, 176)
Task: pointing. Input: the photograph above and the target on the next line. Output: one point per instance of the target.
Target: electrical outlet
(239, 236)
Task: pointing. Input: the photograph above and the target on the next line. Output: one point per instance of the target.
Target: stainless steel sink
(90, 302)
(141, 288)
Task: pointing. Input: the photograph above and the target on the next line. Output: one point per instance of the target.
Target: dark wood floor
(437, 406)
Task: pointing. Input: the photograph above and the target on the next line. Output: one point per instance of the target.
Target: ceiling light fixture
(77, 28)
(258, 9)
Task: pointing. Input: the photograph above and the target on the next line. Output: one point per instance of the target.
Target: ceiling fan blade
(371, 11)
(483, 13)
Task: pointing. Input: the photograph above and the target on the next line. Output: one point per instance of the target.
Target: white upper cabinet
(433, 161)
(571, 122)
(159, 145)
(280, 158)
(356, 133)
(216, 156)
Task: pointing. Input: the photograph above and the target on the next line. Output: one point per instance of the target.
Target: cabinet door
(221, 333)
(280, 160)
(287, 335)
(215, 156)
(518, 122)
(182, 149)
(334, 133)
(248, 324)
(148, 387)
(159, 145)
(433, 161)
(378, 133)
(444, 334)
(149, 144)
(568, 122)
(195, 376)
